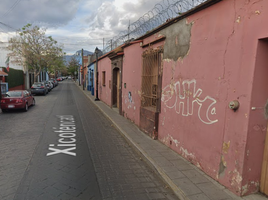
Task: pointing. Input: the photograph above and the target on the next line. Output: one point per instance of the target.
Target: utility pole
(0, 90)
(97, 75)
(79, 72)
(83, 69)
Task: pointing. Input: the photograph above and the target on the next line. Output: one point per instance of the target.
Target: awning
(3, 73)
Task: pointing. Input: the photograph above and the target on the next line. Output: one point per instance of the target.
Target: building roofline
(196, 9)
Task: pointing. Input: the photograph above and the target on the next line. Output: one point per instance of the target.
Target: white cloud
(75, 23)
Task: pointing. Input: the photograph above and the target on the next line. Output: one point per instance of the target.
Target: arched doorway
(116, 81)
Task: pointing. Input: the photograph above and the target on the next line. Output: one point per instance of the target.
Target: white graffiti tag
(183, 96)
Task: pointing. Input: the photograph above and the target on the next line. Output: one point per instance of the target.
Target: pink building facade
(199, 84)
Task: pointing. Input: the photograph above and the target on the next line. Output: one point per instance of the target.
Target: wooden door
(264, 172)
(117, 88)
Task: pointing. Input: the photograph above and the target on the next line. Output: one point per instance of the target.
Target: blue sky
(76, 24)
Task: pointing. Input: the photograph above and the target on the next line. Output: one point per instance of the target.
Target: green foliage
(31, 48)
(15, 77)
(73, 66)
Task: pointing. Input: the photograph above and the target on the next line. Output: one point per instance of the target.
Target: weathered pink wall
(257, 122)
(195, 119)
(211, 58)
(104, 64)
(132, 65)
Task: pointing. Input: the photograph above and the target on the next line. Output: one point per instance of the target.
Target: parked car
(48, 85)
(17, 99)
(59, 79)
(51, 84)
(39, 88)
(55, 82)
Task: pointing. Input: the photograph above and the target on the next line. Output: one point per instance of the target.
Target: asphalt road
(64, 148)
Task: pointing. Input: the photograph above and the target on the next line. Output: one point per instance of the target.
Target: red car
(17, 99)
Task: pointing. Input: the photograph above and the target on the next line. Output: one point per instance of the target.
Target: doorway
(116, 87)
(116, 82)
(259, 99)
(151, 91)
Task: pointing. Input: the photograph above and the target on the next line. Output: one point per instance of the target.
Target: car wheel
(26, 107)
(45, 93)
(4, 110)
(33, 104)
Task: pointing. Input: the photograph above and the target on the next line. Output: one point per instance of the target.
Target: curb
(178, 192)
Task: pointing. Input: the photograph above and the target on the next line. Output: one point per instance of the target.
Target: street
(65, 148)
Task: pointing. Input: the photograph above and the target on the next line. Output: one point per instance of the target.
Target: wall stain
(222, 167)
(225, 147)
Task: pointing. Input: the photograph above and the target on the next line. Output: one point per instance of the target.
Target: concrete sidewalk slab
(187, 181)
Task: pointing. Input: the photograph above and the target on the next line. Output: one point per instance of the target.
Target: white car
(51, 84)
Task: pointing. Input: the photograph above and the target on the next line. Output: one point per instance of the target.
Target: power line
(8, 26)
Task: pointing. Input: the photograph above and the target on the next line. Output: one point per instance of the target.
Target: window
(150, 78)
(103, 78)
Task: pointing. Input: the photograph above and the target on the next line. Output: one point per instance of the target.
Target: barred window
(150, 75)
(103, 78)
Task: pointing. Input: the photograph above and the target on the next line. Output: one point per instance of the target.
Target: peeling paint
(222, 167)
(186, 154)
(257, 12)
(225, 147)
(245, 188)
(177, 43)
(223, 161)
(236, 178)
(238, 19)
(198, 165)
(169, 138)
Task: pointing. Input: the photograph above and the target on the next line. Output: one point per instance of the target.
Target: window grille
(103, 78)
(150, 78)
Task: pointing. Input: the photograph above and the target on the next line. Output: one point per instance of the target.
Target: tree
(73, 65)
(35, 51)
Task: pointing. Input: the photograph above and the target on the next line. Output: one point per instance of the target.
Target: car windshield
(13, 94)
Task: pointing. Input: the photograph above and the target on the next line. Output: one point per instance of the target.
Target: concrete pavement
(187, 181)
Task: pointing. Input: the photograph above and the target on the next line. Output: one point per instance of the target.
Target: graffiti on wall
(184, 98)
(129, 100)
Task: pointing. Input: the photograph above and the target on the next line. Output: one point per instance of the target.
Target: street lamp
(97, 74)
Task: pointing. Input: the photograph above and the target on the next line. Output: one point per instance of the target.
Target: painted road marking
(67, 134)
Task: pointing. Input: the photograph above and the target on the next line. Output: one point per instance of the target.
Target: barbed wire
(163, 11)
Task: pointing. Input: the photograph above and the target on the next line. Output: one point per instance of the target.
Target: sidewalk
(187, 181)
